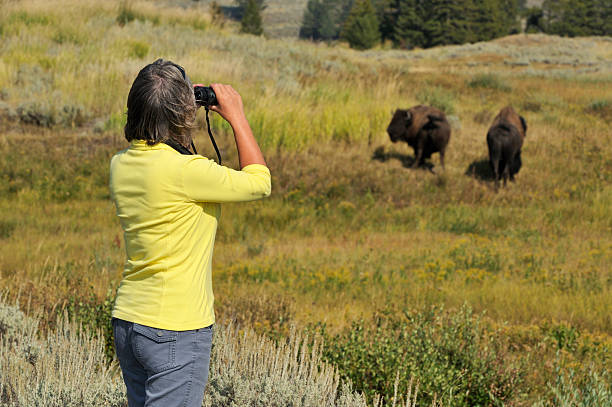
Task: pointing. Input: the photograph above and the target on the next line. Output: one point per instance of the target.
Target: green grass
(349, 230)
(488, 81)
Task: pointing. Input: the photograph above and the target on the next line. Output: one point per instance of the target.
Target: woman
(168, 204)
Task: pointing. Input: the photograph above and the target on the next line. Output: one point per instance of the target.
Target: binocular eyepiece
(205, 96)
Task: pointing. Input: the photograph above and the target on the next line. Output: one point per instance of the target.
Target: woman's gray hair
(161, 105)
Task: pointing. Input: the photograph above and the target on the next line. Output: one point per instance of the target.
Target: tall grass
(66, 368)
(252, 370)
(297, 94)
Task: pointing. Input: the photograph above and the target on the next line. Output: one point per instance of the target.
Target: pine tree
(251, 19)
(409, 30)
(606, 17)
(317, 23)
(387, 12)
(340, 11)
(594, 17)
(486, 21)
(446, 22)
(510, 22)
(534, 20)
(577, 17)
(361, 26)
(242, 4)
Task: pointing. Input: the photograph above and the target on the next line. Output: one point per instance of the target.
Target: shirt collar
(142, 145)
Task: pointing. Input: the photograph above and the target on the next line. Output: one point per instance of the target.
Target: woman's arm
(230, 107)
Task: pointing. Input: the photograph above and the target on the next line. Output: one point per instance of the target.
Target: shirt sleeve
(206, 181)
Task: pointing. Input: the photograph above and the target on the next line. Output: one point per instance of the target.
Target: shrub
(251, 18)
(95, 317)
(592, 388)
(563, 335)
(66, 35)
(43, 115)
(138, 49)
(601, 107)
(66, 368)
(450, 353)
(7, 227)
(488, 81)
(126, 13)
(13, 322)
(269, 315)
(249, 370)
(439, 98)
(29, 19)
(72, 116)
(7, 112)
(36, 113)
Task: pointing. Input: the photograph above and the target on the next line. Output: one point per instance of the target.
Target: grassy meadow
(352, 244)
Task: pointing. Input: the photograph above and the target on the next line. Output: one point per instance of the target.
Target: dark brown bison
(505, 140)
(424, 128)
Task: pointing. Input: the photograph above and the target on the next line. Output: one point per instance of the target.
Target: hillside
(281, 18)
(489, 294)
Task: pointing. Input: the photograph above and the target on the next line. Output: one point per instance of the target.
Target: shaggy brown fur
(424, 128)
(505, 140)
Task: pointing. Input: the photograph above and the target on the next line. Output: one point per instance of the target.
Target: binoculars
(205, 96)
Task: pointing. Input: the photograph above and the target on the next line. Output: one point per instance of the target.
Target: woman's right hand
(231, 109)
(230, 105)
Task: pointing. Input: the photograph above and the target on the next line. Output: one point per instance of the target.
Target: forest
(424, 24)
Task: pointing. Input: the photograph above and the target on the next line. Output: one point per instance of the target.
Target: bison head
(399, 123)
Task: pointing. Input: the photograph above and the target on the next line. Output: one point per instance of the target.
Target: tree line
(428, 23)
(572, 18)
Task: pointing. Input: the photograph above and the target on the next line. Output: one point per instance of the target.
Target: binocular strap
(211, 138)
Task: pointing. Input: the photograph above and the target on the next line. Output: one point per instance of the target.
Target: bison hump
(435, 118)
(506, 126)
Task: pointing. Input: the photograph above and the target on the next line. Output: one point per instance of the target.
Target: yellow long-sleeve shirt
(169, 205)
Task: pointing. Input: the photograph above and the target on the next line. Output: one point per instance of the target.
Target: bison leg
(494, 162)
(419, 159)
(516, 165)
(506, 173)
(442, 159)
(497, 177)
(495, 152)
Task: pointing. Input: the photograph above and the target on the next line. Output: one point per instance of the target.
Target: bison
(505, 139)
(424, 128)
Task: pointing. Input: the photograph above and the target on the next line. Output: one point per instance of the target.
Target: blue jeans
(163, 368)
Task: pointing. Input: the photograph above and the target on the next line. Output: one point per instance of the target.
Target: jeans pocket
(154, 348)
